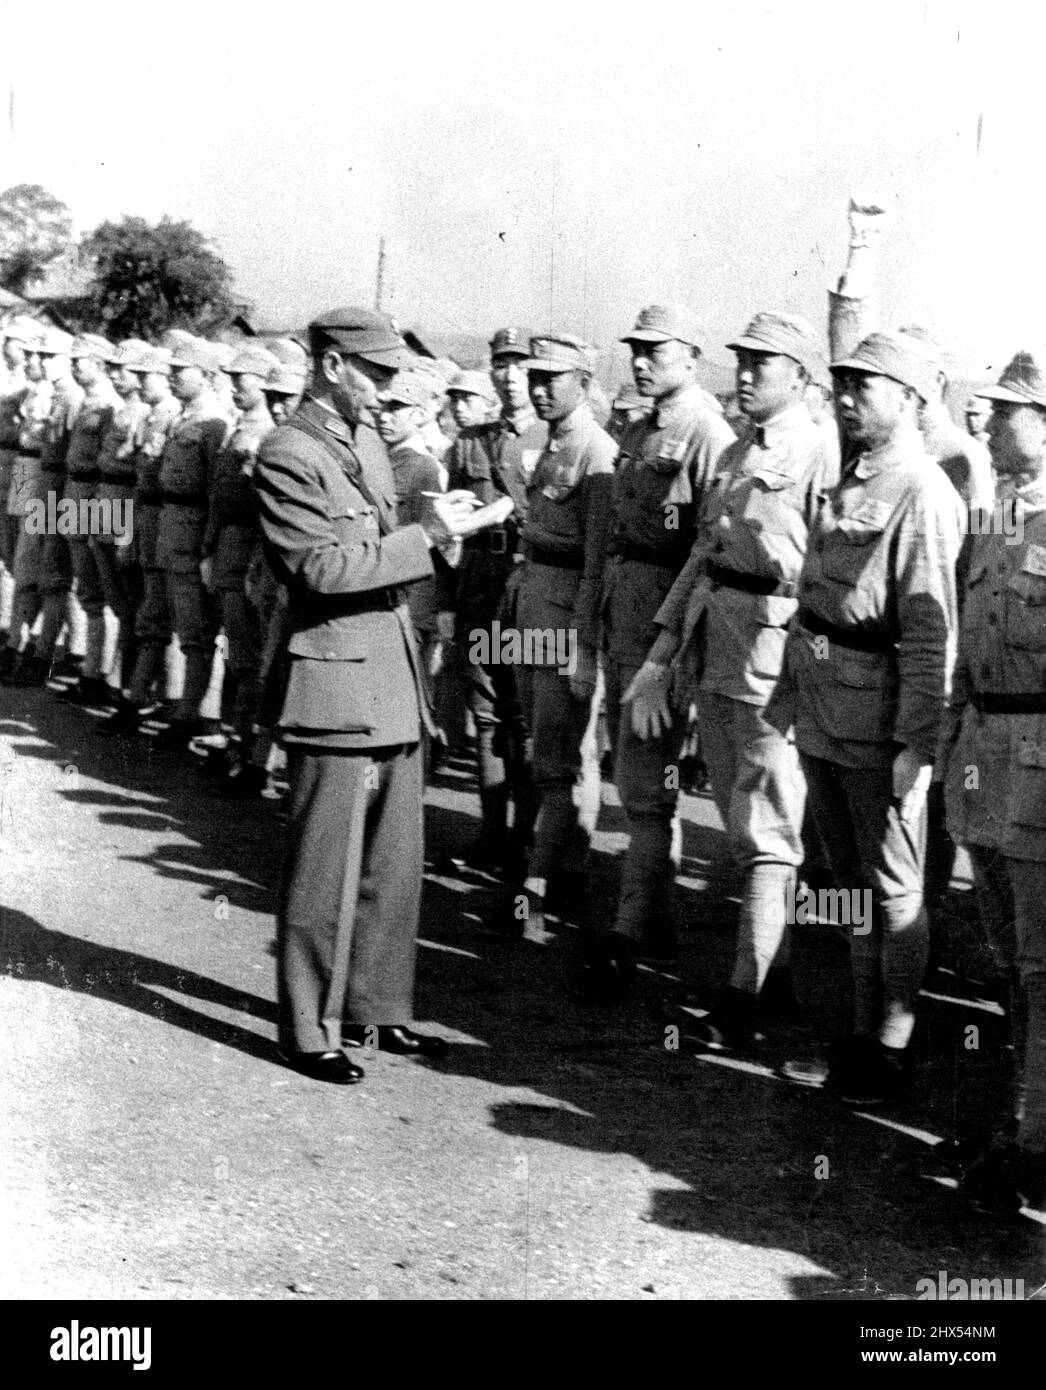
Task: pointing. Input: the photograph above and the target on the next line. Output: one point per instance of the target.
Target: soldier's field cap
(558, 352)
(126, 350)
(53, 342)
(1022, 382)
(21, 329)
(894, 355)
(510, 342)
(288, 351)
(253, 359)
(92, 345)
(150, 359)
(658, 323)
(408, 388)
(472, 384)
(786, 334)
(362, 333)
(195, 352)
(286, 379)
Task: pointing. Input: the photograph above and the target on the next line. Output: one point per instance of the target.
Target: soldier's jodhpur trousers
(348, 916)
(761, 795)
(870, 849)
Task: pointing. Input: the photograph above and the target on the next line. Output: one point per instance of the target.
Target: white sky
(557, 164)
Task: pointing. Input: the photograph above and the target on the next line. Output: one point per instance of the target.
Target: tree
(35, 228)
(150, 278)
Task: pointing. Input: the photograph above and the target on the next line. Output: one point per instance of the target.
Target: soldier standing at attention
(733, 602)
(17, 334)
(569, 519)
(664, 470)
(472, 399)
(865, 682)
(354, 710)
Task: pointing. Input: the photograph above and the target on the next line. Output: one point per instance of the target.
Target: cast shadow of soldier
(760, 1163)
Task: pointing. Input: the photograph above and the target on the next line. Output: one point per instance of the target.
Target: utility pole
(379, 287)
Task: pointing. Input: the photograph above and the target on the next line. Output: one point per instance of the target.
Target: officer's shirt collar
(685, 399)
(771, 431)
(563, 431)
(519, 424)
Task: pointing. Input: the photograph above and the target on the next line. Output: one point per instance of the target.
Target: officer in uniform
(17, 334)
(865, 680)
(567, 531)
(115, 487)
(664, 471)
(729, 611)
(996, 772)
(354, 709)
(492, 461)
(230, 538)
(187, 472)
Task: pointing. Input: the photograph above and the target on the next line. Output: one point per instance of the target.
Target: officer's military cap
(92, 345)
(126, 350)
(196, 352)
(472, 384)
(252, 358)
(54, 342)
(361, 333)
(658, 323)
(409, 388)
(150, 359)
(558, 352)
(21, 329)
(1023, 382)
(176, 338)
(447, 368)
(894, 355)
(288, 351)
(510, 342)
(788, 335)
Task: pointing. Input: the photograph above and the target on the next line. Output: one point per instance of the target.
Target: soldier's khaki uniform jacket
(54, 442)
(755, 524)
(87, 429)
(569, 522)
(415, 472)
(11, 394)
(328, 519)
(187, 471)
(665, 468)
(492, 460)
(996, 772)
(33, 414)
(232, 524)
(117, 476)
(880, 565)
(151, 440)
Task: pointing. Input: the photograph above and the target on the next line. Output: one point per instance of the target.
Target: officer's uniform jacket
(187, 470)
(87, 429)
(328, 520)
(232, 521)
(415, 472)
(33, 414)
(11, 393)
(996, 771)
(568, 528)
(117, 476)
(150, 442)
(492, 460)
(753, 532)
(664, 470)
(65, 402)
(880, 569)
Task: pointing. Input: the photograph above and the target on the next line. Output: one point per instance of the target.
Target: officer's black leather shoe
(126, 720)
(391, 1037)
(324, 1066)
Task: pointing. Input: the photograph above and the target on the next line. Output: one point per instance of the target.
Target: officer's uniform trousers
(995, 777)
(352, 719)
(61, 607)
(89, 426)
(187, 471)
(663, 472)
(867, 671)
(111, 545)
(565, 539)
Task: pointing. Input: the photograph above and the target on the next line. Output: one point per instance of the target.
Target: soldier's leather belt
(104, 477)
(558, 559)
(749, 583)
(858, 639)
(27, 453)
(648, 555)
(89, 475)
(149, 496)
(495, 540)
(1031, 703)
(186, 499)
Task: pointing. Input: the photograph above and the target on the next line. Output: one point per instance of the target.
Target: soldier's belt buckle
(498, 542)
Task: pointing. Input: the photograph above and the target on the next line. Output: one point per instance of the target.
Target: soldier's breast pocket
(849, 549)
(1026, 607)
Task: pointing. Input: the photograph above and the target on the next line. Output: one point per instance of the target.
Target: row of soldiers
(799, 587)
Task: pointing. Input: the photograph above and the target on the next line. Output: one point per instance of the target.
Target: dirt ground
(155, 1148)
